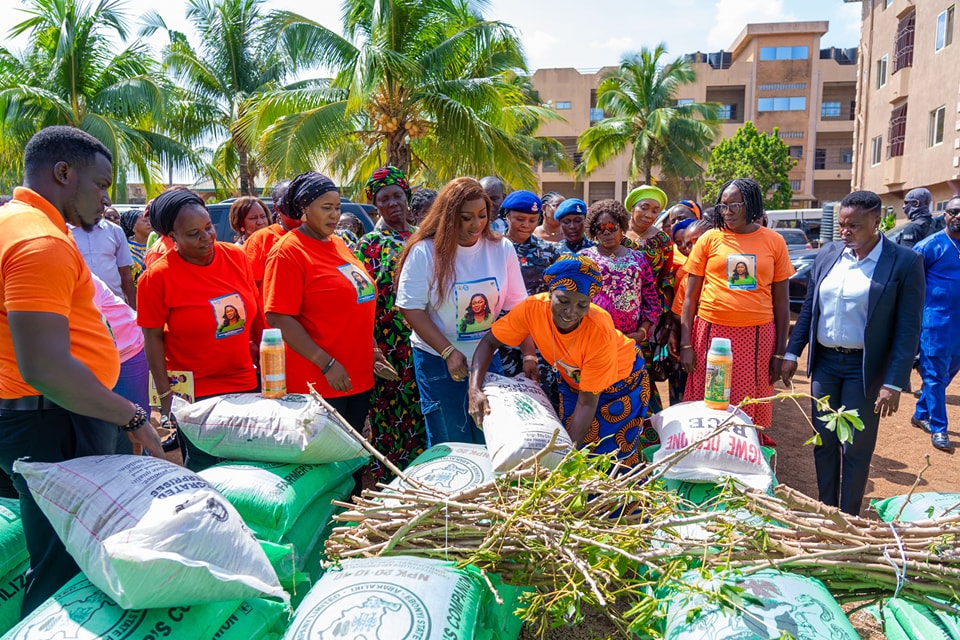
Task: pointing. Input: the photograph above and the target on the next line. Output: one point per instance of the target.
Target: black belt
(843, 350)
(27, 403)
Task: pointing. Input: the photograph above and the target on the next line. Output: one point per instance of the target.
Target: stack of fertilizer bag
(13, 563)
(162, 554)
(776, 604)
(285, 461)
(904, 619)
(413, 597)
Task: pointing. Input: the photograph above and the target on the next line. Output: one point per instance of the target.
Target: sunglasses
(606, 227)
(953, 213)
(736, 207)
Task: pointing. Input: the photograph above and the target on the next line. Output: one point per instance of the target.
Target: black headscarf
(303, 190)
(166, 206)
(128, 219)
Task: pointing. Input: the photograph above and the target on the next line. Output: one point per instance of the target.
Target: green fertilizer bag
(11, 596)
(395, 597)
(270, 497)
(254, 620)
(921, 506)
(775, 604)
(313, 525)
(908, 620)
(13, 545)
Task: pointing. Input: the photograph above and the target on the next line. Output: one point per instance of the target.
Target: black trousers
(354, 410)
(47, 435)
(843, 470)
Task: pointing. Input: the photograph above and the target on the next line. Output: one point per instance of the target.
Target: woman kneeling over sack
(604, 389)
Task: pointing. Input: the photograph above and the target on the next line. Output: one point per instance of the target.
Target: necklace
(569, 369)
(954, 243)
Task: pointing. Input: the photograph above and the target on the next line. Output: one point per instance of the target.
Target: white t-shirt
(122, 320)
(487, 281)
(104, 249)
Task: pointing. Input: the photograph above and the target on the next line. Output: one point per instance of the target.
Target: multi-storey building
(775, 75)
(908, 99)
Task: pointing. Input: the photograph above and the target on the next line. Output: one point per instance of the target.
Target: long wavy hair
(442, 225)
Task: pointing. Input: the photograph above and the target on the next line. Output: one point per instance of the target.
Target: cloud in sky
(731, 16)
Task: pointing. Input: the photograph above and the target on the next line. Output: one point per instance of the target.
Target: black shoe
(170, 443)
(941, 441)
(921, 424)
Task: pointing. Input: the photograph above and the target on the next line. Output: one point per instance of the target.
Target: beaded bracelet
(138, 420)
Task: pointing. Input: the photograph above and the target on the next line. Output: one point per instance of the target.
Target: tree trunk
(246, 184)
(398, 151)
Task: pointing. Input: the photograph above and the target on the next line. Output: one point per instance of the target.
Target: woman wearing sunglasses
(722, 302)
(627, 291)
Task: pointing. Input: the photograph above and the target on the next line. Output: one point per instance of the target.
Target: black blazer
(894, 315)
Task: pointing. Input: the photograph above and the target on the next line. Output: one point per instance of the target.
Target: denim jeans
(134, 385)
(444, 401)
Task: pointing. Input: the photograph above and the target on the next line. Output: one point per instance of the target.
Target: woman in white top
(456, 276)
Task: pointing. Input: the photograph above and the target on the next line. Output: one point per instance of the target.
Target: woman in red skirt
(737, 289)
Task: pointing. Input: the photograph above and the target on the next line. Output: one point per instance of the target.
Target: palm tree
(71, 73)
(426, 85)
(645, 120)
(239, 57)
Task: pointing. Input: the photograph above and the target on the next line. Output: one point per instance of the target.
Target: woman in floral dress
(628, 292)
(396, 422)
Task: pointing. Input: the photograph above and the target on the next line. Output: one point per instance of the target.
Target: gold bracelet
(447, 352)
(530, 358)
(164, 395)
(686, 346)
(778, 357)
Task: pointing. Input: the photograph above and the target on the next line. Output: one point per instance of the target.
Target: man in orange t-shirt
(58, 360)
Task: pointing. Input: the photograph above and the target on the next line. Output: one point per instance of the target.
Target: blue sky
(590, 33)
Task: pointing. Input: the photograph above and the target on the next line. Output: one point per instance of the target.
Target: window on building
(795, 185)
(793, 103)
(830, 109)
(563, 104)
(596, 115)
(846, 156)
(681, 102)
(876, 151)
(887, 3)
(903, 51)
(898, 131)
(935, 128)
(796, 152)
(820, 159)
(784, 53)
(944, 28)
(727, 112)
(790, 86)
(881, 72)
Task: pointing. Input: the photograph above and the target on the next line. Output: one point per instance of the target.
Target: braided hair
(752, 197)
(550, 197)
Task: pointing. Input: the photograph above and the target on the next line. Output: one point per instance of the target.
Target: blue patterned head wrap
(574, 273)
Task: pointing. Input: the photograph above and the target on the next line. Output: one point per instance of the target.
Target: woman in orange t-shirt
(737, 289)
(183, 300)
(604, 387)
(319, 295)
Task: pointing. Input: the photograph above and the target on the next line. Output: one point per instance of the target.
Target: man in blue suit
(862, 321)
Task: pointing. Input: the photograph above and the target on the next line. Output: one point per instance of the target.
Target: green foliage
(430, 86)
(643, 119)
(753, 154)
(843, 423)
(889, 221)
(72, 73)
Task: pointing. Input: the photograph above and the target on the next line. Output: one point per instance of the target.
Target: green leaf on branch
(843, 422)
(815, 440)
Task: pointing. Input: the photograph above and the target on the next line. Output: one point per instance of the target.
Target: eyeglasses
(735, 207)
(953, 213)
(606, 227)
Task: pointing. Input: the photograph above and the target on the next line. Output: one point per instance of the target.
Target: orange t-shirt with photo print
(206, 313)
(327, 289)
(590, 358)
(739, 270)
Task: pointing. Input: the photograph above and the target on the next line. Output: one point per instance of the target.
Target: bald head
(493, 186)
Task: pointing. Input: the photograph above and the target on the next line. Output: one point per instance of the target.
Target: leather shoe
(941, 441)
(920, 424)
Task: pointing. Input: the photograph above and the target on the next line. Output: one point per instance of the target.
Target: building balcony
(832, 174)
(893, 172)
(898, 85)
(835, 126)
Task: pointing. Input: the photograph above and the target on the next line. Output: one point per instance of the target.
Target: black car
(803, 263)
(220, 216)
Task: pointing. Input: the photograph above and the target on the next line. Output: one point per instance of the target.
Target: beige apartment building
(908, 100)
(775, 75)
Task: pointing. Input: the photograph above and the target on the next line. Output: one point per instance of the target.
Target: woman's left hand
(531, 369)
(382, 368)
(776, 369)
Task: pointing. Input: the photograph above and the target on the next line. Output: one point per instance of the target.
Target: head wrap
(522, 201)
(574, 273)
(384, 177)
(303, 190)
(693, 206)
(128, 219)
(644, 192)
(570, 206)
(166, 206)
(922, 196)
(679, 226)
